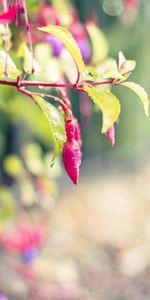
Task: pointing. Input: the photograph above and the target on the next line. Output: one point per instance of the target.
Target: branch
(57, 99)
(24, 83)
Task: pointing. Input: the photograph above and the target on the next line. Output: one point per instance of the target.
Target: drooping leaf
(67, 39)
(25, 53)
(99, 43)
(56, 122)
(108, 104)
(140, 92)
(12, 70)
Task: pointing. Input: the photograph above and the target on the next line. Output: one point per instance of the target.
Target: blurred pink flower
(22, 239)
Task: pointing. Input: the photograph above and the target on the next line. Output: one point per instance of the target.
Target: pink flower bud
(10, 15)
(73, 131)
(77, 135)
(72, 159)
(111, 135)
(70, 129)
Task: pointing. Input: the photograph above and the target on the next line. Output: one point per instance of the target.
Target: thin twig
(24, 11)
(4, 7)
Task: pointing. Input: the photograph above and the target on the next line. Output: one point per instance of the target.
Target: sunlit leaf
(108, 104)
(124, 65)
(67, 39)
(109, 69)
(99, 43)
(140, 92)
(89, 74)
(56, 122)
(25, 53)
(12, 70)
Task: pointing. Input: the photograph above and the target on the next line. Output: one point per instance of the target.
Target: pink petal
(111, 135)
(73, 131)
(10, 15)
(72, 159)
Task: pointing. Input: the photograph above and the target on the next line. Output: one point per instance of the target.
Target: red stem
(44, 84)
(25, 83)
(57, 99)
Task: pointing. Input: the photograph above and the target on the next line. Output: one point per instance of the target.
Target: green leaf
(108, 104)
(99, 43)
(13, 72)
(89, 74)
(56, 122)
(140, 92)
(125, 66)
(27, 59)
(109, 69)
(67, 39)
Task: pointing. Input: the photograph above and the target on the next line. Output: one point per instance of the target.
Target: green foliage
(67, 39)
(136, 88)
(6, 206)
(56, 122)
(108, 104)
(41, 69)
(12, 70)
(24, 52)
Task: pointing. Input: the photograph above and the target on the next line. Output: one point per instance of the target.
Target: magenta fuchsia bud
(70, 129)
(111, 135)
(77, 135)
(73, 131)
(10, 15)
(72, 159)
(72, 150)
